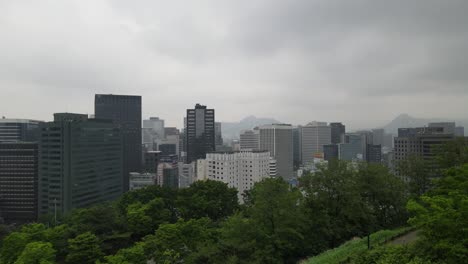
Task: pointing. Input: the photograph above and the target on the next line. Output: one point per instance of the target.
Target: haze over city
(359, 62)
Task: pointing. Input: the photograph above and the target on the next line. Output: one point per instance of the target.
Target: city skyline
(360, 63)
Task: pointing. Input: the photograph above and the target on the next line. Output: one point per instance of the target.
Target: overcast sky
(360, 62)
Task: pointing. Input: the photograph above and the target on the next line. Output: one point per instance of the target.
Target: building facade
(187, 174)
(338, 131)
(18, 181)
(141, 180)
(125, 111)
(278, 140)
(330, 152)
(80, 163)
(13, 130)
(249, 140)
(199, 132)
(313, 137)
(168, 175)
(153, 129)
(238, 170)
(421, 142)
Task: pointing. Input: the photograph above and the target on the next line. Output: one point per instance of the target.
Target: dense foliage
(277, 223)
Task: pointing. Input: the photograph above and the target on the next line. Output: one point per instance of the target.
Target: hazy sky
(360, 62)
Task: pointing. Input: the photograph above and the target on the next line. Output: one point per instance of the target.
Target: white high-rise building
(250, 140)
(239, 170)
(313, 137)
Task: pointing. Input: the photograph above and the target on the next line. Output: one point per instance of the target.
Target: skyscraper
(125, 111)
(278, 140)
(18, 181)
(338, 131)
(80, 163)
(199, 132)
(313, 137)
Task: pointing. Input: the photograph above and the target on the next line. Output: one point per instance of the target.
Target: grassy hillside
(356, 246)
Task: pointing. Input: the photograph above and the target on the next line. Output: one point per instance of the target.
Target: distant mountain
(405, 120)
(232, 130)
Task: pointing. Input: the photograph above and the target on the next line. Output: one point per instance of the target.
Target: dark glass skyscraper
(80, 163)
(18, 181)
(125, 111)
(338, 131)
(200, 132)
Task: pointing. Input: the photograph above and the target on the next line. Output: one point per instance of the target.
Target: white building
(249, 140)
(313, 137)
(141, 180)
(239, 170)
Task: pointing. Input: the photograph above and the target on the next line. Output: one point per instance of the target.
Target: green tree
(453, 153)
(442, 217)
(212, 199)
(270, 230)
(419, 174)
(144, 219)
(99, 219)
(84, 249)
(37, 253)
(383, 194)
(332, 196)
(182, 241)
(58, 236)
(12, 247)
(132, 255)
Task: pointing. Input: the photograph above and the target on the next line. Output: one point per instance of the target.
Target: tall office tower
(351, 150)
(367, 138)
(378, 136)
(218, 135)
(18, 181)
(374, 153)
(278, 140)
(250, 140)
(330, 152)
(297, 147)
(338, 131)
(125, 111)
(200, 132)
(13, 130)
(313, 137)
(448, 127)
(238, 170)
(80, 163)
(420, 141)
(459, 131)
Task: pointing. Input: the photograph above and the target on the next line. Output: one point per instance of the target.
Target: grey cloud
(296, 60)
